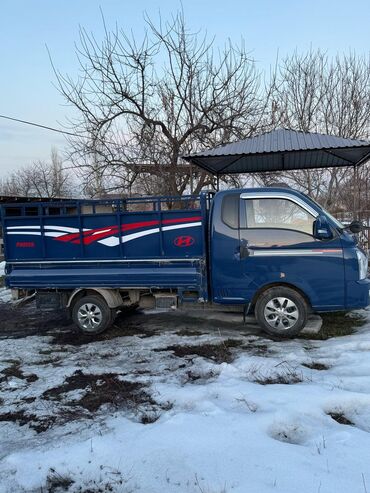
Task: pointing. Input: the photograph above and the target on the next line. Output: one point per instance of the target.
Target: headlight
(362, 264)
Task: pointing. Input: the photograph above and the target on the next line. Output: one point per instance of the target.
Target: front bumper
(358, 294)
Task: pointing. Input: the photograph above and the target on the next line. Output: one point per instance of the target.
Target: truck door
(277, 246)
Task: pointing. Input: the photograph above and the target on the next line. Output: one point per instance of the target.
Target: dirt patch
(28, 400)
(132, 330)
(219, 353)
(21, 417)
(188, 333)
(336, 325)
(59, 326)
(257, 349)
(74, 337)
(315, 365)
(15, 371)
(107, 389)
(24, 321)
(50, 361)
(340, 418)
(55, 349)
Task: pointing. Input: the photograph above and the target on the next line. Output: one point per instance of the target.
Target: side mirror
(356, 227)
(321, 229)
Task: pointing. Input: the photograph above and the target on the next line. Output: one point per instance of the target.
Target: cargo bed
(149, 242)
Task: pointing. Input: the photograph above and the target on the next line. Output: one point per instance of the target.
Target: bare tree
(140, 106)
(40, 179)
(314, 93)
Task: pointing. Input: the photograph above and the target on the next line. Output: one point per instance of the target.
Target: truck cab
(282, 254)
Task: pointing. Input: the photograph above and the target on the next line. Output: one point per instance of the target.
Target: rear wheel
(281, 311)
(92, 315)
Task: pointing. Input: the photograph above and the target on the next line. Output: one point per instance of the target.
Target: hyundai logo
(184, 241)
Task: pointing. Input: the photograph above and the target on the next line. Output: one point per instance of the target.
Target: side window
(230, 210)
(278, 214)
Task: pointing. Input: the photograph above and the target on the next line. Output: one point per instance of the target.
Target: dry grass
(283, 374)
(315, 365)
(114, 483)
(340, 418)
(56, 482)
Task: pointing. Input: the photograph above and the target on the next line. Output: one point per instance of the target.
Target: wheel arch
(265, 287)
(112, 297)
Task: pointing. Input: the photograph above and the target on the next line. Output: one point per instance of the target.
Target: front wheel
(92, 315)
(281, 311)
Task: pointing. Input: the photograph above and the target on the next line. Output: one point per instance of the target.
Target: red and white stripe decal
(106, 235)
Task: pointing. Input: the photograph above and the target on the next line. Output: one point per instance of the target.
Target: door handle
(244, 250)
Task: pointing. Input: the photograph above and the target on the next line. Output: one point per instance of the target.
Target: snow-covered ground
(146, 412)
(5, 295)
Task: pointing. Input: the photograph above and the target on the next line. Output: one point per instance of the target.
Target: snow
(5, 294)
(228, 430)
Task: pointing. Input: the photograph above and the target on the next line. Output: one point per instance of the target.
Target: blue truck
(273, 252)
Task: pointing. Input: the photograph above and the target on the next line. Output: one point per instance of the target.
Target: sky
(27, 88)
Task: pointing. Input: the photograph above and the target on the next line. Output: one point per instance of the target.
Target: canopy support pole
(355, 192)
(357, 184)
(191, 179)
(217, 182)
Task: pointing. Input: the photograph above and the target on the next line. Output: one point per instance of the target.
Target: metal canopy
(280, 150)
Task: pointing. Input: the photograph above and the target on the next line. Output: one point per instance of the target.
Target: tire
(281, 311)
(92, 315)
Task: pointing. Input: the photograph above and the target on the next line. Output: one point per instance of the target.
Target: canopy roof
(282, 149)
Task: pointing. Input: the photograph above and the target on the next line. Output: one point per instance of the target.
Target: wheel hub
(89, 316)
(281, 313)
